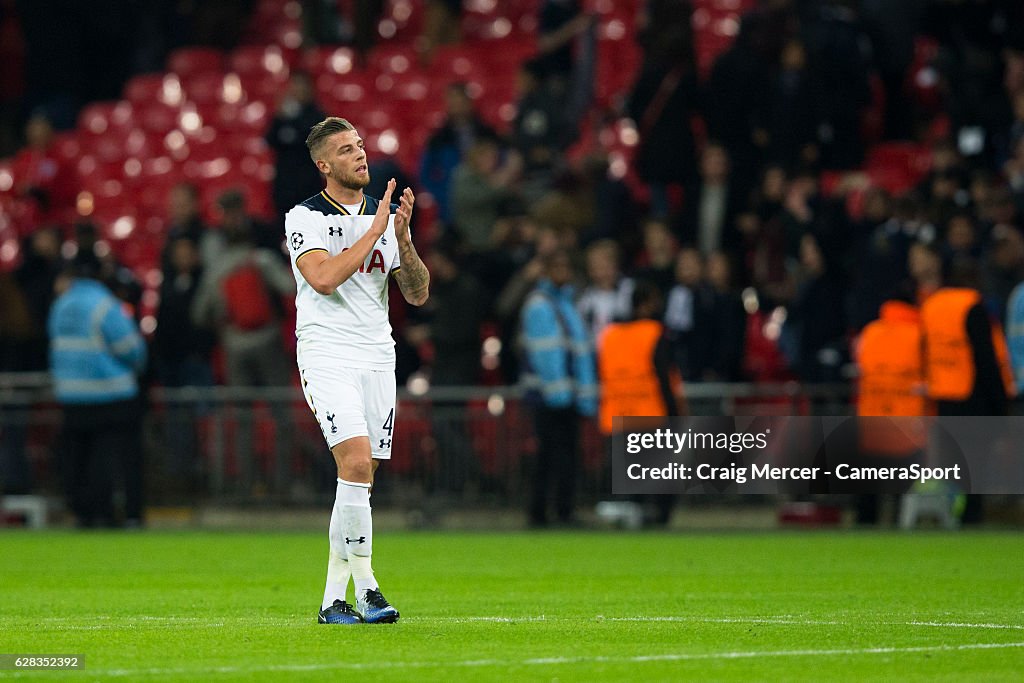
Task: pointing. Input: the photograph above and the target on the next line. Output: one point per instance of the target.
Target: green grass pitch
(195, 606)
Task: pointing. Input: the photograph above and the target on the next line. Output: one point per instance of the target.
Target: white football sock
(357, 525)
(338, 570)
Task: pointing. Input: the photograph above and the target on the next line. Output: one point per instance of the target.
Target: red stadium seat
(910, 156)
(99, 118)
(337, 94)
(412, 89)
(212, 87)
(105, 148)
(262, 89)
(392, 59)
(250, 119)
(266, 61)
(401, 21)
(7, 179)
(158, 118)
(189, 61)
(502, 57)
(330, 60)
(154, 88)
(66, 145)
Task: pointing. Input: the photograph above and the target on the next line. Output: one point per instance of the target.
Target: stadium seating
(191, 61)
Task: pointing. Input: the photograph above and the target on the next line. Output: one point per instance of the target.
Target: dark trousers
(101, 448)
(557, 462)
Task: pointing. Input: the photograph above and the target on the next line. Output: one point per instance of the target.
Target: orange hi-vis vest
(891, 362)
(949, 359)
(625, 369)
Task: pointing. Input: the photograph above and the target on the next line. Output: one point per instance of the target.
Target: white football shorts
(350, 402)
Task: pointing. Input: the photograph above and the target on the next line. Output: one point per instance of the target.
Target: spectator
(181, 354)
(815, 326)
(1014, 170)
(1009, 149)
(736, 87)
(33, 283)
(43, 180)
(96, 354)
(569, 207)
(453, 316)
(184, 220)
(480, 194)
(120, 280)
(25, 298)
(663, 99)
(1015, 335)
(838, 44)
(240, 298)
(539, 131)
(559, 23)
(893, 27)
(924, 264)
(659, 255)
(761, 233)
(561, 383)
(355, 23)
(1003, 268)
(962, 236)
(544, 241)
(790, 114)
(688, 316)
(608, 296)
(442, 25)
(235, 220)
(893, 241)
(729, 319)
(448, 146)
(709, 216)
(294, 176)
(181, 350)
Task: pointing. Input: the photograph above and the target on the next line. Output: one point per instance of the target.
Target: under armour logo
(331, 229)
(297, 240)
(330, 418)
(385, 443)
(361, 539)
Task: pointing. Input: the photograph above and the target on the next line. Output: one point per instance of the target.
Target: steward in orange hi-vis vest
(958, 337)
(891, 363)
(626, 370)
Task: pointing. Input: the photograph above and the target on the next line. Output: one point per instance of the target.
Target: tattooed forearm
(413, 278)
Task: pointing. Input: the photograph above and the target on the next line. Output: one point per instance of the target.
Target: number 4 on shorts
(389, 425)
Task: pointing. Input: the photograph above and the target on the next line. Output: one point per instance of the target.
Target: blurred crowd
(754, 200)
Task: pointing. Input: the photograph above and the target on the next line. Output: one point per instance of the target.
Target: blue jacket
(96, 350)
(559, 351)
(1015, 334)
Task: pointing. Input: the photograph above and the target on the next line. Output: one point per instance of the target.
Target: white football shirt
(349, 327)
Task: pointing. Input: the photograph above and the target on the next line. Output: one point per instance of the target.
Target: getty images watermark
(798, 455)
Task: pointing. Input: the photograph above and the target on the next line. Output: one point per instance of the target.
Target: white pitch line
(542, 661)
(302, 621)
(956, 624)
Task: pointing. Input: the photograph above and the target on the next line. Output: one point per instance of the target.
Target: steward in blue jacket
(96, 354)
(561, 381)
